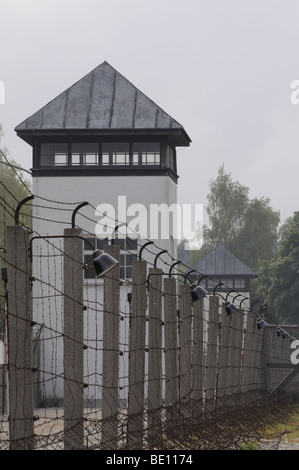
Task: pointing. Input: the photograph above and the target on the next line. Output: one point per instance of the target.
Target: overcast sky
(222, 68)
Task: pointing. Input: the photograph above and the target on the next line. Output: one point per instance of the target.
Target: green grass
(250, 445)
(288, 430)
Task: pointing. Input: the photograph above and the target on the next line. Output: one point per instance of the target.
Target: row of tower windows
(105, 154)
(228, 283)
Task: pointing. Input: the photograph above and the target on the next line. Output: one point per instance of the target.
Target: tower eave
(175, 136)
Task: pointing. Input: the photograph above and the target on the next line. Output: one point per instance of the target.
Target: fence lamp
(260, 323)
(102, 262)
(283, 333)
(230, 307)
(198, 292)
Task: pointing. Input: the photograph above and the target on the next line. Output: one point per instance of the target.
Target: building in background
(225, 272)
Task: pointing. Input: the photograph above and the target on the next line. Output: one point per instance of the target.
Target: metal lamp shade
(103, 263)
(283, 333)
(230, 308)
(261, 324)
(198, 293)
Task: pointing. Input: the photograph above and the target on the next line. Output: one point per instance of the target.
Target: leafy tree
(246, 227)
(279, 277)
(227, 203)
(13, 189)
(257, 239)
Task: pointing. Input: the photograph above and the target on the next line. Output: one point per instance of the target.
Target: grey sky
(222, 68)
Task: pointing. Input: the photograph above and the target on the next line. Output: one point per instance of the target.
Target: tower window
(239, 283)
(228, 283)
(54, 154)
(85, 154)
(116, 154)
(128, 253)
(146, 153)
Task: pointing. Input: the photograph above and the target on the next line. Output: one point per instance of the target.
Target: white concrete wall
(50, 218)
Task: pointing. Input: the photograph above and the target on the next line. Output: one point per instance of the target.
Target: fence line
(163, 368)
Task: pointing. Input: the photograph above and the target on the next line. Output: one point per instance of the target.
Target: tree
(257, 240)
(248, 228)
(227, 203)
(13, 189)
(279, 277)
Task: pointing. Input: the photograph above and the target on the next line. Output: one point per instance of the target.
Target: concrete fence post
(73, 341)
(212, 360)
(258, 362)
(155, 355)
(19, 322)
(236, 345)
(198, 357)
(247, 383)
(185, 361)
(137, 356)
(223, 352)
(111, 352)
(171, 353)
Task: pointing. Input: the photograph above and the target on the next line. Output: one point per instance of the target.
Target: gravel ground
(283, 441)
(278, 444)
(50, 422)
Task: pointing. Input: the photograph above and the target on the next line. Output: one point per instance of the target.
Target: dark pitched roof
(221, 262)
(102, 100)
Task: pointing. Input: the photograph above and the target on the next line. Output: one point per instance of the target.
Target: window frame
(125, 253)
(83, 154)
(160, 157)
(230, 283)
(52, 155)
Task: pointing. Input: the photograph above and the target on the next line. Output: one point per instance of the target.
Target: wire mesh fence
(128, 364)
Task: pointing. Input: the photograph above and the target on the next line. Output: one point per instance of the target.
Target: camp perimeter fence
(136, 365)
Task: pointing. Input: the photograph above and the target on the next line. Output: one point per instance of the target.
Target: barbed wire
(180, 435)
(231, 410)
(270, 316)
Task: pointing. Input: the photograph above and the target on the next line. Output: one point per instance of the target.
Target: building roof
(103, 100)
(221, 262)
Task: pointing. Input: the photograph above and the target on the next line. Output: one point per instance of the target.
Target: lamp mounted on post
(102, 262)
(198, 292)
(230, 307)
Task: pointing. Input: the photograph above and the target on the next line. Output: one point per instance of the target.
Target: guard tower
(225, 271)
(101, 141)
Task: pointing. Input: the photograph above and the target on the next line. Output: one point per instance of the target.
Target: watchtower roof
(104, 102)
(221, 262)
